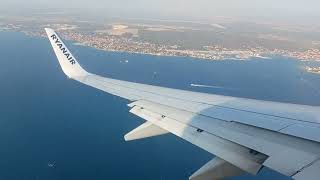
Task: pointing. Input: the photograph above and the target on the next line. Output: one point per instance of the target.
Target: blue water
(47, 118)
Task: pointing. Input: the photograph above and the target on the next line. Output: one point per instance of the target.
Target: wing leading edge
(244, 134)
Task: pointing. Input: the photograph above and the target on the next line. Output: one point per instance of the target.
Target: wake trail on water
(211, 86)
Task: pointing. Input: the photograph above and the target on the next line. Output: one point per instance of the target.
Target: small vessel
(52, 164)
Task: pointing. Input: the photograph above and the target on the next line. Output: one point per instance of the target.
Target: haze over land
(202, 29)
(290, 10)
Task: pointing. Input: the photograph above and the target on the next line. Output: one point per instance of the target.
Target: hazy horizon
(285, 10)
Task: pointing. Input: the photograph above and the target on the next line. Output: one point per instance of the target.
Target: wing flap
(303, 130)
(286, 154)
(235, 154)
(216, 169)
(145, 130)
(310, 172)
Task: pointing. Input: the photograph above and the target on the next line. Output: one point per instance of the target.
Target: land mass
(219, 40)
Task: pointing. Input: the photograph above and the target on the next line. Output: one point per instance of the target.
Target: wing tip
(49, 31)
(67, 61)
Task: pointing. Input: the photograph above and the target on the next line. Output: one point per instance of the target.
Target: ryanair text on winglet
(63, 49)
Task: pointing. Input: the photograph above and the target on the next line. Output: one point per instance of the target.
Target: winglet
(68, 63)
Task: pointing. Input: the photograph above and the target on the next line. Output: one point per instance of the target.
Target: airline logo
(63, 49)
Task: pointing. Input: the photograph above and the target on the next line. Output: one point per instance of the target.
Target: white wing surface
(244, 134)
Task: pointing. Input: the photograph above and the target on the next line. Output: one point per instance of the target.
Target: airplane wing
(244, 134)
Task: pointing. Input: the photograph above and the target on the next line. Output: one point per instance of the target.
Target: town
(122, 38)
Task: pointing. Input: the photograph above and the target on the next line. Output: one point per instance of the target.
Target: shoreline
(234, 57)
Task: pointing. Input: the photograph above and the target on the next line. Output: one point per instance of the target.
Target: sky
(275, 9)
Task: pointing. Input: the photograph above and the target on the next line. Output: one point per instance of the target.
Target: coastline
(234, 57)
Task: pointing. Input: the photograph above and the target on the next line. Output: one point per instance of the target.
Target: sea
(54, 128)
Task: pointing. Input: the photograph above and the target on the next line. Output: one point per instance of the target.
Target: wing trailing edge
(216, 169)
(145, 130)
(233, 153)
